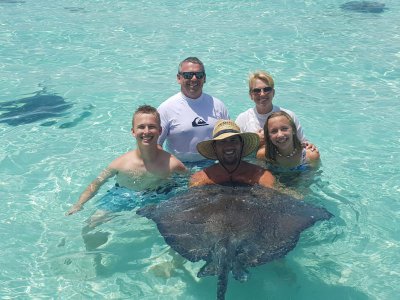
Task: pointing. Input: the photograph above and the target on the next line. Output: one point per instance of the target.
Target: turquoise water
(339, 71)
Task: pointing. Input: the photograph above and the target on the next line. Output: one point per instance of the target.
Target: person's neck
(286, 153)
(264, 110)
(148, 155)
(230, 169)
(192, 97)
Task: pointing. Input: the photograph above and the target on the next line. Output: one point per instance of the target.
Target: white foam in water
(337, 70)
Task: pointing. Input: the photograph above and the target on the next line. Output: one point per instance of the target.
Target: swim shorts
(119, 199)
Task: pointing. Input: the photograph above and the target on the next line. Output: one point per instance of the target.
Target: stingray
(232, 228)
(364, 6)
(12, 1)
(32, 109)
(74, 9)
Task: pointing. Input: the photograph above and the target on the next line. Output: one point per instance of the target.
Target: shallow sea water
(337, 70)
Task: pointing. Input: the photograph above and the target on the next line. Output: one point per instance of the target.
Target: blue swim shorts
(119, 199)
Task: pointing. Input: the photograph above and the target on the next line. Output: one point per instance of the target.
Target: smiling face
(146, 129)
(192, 87)
(262, 96)
(280, 132)
(229, 150)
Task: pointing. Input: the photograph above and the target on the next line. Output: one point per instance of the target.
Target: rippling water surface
(338, 70)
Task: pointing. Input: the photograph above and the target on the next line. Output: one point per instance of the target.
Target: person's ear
(251, 93)
(133, 132)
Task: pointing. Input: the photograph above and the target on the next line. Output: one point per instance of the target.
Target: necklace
(287, 156)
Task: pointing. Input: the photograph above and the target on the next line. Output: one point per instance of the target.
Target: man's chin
(146, 143)
(230, 162)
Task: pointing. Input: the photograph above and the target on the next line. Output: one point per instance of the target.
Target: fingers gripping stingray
(232, 228)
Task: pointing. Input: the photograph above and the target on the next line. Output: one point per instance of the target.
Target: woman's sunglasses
(266, 90)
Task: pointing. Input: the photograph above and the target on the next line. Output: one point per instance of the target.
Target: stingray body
(12, 1)
(31, 109)
(232, 228)
(364, 6)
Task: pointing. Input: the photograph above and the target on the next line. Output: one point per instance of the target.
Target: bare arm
(91, 190)
(261, 136)
(313, 157)
(177, 166)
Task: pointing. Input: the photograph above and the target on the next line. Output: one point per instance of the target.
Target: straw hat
(224, 129)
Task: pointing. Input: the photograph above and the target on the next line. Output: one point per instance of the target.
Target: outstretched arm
(91, 190)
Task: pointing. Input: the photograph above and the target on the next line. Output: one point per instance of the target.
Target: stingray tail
(222, 283)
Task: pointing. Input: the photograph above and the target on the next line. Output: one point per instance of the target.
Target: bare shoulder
(126, 160)
(198, 178)
(176, 165)
(209, 175)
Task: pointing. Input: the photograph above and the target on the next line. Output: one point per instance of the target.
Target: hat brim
(250, 143)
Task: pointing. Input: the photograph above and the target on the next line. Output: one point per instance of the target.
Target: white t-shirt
(252, 121)
(186, 122)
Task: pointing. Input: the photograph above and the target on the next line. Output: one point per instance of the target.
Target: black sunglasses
(189, 75)
(266, 90)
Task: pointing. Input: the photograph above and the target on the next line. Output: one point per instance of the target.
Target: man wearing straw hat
(229, 146)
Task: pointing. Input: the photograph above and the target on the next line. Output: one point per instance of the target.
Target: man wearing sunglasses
(189, 116)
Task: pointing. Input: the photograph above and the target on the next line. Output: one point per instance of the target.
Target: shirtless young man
(228, 146)
(141, 168)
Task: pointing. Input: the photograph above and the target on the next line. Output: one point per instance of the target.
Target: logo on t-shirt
(199, 122)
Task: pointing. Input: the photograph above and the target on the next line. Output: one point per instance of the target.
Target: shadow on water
(40, 107)
(77, 120)
(364, 6)
(75, 9)
(12, 1)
